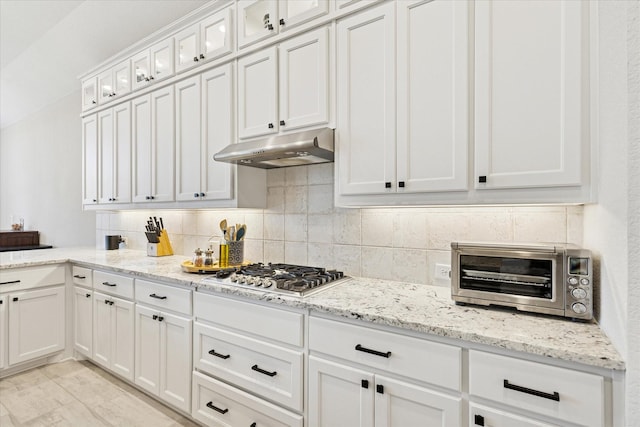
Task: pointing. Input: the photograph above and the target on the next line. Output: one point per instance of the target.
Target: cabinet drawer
(218, 404)
(272, 371)
(163, 296)
(113, 284)
(82, 276)
(568, 395)
(278, 325)
(480, 415)
(16, 279)
(423, 360)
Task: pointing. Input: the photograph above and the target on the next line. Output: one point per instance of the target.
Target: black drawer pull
(551, 396)
(253, 425)
(221, 356)
(157, 296)
(262, 371)
(10, 282)
(364, 383)
(109, 284)
(376, 352)
(478, 420)
(215, 408)
(87, 295)
(379, 388)
(77, 276)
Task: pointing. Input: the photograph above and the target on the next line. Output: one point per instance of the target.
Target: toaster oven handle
(551, 396)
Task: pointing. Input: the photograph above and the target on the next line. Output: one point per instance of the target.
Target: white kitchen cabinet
(205, 41)
(163, 355)
(89, 93)
(36, 323)
(349, 6)
(530, 99)
(114, 82)
(153, 64)
(427, 151)
(152, 118)
(4, 325)
(343, 395)
(83, 320)
(90, 160)
(295, 12)
(301, 99)
(114, 128)
(481, 415)
(113, 334)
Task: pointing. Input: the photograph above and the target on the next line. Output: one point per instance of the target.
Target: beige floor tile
(63, 368)
(23, 380)
(28, 403)
(3, 410)
(5, 421)
(131, 412)
(74, 414)
(88, 387)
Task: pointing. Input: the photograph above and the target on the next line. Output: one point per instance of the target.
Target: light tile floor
(79, 394)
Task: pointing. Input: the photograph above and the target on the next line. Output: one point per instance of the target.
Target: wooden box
(19, 238)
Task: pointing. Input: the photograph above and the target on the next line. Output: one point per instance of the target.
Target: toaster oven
(549, 279)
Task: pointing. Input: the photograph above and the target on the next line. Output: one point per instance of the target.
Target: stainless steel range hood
(303, 148)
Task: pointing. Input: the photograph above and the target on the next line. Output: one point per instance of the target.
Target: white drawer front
(17, 279)
(218, 404)
(163, 296)
(533, 386)
(272, 323)
(480, 415)
(82, 276)
(113, 284)
(423, 360)
(269, 370)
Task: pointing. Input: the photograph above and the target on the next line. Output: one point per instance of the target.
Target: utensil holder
(236, 252)
(162, 248)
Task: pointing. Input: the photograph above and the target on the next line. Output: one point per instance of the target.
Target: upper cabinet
(90, 160)
(207, 40)
(114, 82)
(261, 19)
(89, 93)
(301, 99)
(529, 94)
(153, 64)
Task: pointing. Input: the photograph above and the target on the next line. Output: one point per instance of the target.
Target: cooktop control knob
(573, 280)
(579, 293)
(579, 308)
(584, 281)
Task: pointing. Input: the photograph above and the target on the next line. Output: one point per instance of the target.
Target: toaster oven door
(531, 283)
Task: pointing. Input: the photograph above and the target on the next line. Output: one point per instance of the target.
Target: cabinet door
(187, 48)
(433, 99)
(83, 320)
(340, 395)
(218, 124)
(122, 321)
(141, 148)
(480, 415)
(122, 153)
(529, 94)
(366, 130)
(188, 139)
(36, 323)
(102, 336)
(122, 78)
(161, 55)
(400, 404)
(257, 94)
(163, 145)
(141, 70)
(147, 345)
(175, 360)
(216, 35)
(106, 88)
(4, 320)
(257, 20)
(294, 12)
(90, 160)
(304, 80)
(107, 158)
(89, 94)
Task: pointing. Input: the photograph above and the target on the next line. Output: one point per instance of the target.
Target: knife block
(162, 248)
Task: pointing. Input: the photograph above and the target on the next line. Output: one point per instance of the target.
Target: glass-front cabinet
(153, 64)
(89, 94)
(209, 39)
(114, 82)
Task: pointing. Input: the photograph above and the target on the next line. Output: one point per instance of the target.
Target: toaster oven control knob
(579, 308)
(584, 281)
(579, 293)
(573, 280)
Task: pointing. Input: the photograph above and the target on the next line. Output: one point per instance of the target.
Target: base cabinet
(480, 415)
(3, 331)
(163, 355)
(113, 333)
(83, 320)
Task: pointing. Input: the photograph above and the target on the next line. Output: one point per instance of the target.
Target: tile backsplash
(301, 225)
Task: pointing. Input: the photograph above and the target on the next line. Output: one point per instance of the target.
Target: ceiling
(46, 44)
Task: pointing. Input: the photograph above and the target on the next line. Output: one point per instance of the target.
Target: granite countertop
(420, 308)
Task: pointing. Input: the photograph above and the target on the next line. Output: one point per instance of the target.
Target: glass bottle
(223, 259)
(208, 259)
(198, 260)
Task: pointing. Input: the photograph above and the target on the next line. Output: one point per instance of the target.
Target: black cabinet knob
(482, 179)
(160, 318)
(147, 197)
(401, 184)
(270, 125)
(387, 185)
(195, 59)
(146, 79)
(281, 122)
(155, 317)
(196, 195)
(201, 56)
(150, 77)
(87, 295)
(94, 200)
(380, 388)
(364, 383)
(478, 420)
(281, 21)
(15, 299)
(270, 27)
(202, 194)
(152, 197)
(94, 102)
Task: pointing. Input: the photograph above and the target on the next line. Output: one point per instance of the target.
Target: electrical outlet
(443, 272)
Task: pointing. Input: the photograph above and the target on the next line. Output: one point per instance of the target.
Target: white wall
(40, 175)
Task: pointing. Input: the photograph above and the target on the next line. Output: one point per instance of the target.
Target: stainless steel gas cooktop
(297, 280)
